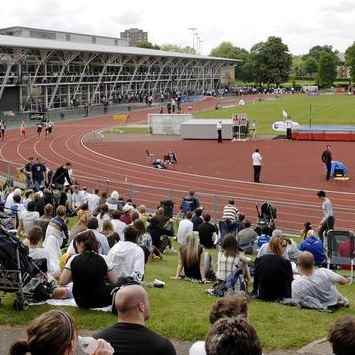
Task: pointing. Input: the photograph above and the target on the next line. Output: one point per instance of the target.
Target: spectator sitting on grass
(110, 234)
(266, 248)
(27, 219)
(306, 229)
(315, 246)
(193, 263)
(126, 216)
(44, 220)
(318, 285)
(81, 225)
(104, 215)
(264, 237)
(117, 224)
(88, 271)
(34, 237)
(130, 335)
(144, 239)
(57, 231)
(230, 260)
(232, 336)
(54, 333)
(17, 207)
(273, 273)
(127, 257)
(342, 336)
(207, 232)
(247, 237)
(160, 235)
(112, 201)
(226, 307)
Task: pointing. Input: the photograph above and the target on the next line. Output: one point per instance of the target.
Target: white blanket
(70, 302)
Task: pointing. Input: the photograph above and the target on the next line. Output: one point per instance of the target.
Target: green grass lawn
(326, 109)
(129, 130)
(181, 309)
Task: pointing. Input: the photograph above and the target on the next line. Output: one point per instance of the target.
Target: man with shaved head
(130, 336)
(317, 285)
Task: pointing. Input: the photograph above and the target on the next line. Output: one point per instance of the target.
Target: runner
(2, 129)
(46, 128)
(50, 127)
(23, 129)
(39, 129)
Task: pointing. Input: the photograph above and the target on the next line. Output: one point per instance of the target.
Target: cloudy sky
(301, 23)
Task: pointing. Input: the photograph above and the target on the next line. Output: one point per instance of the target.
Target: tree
(311, 66)
(272, 61)
(350, 61)
(148, 45)
(177, 49)
(327, 70)
(227, 50)
(245, 68)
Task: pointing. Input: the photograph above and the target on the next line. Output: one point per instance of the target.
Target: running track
(149, 186)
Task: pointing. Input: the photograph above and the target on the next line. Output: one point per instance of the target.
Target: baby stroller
(18, 271)
(267, 215)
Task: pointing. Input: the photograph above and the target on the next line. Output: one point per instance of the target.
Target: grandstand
(38, 74)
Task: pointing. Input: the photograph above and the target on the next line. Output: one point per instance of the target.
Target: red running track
(122, 168)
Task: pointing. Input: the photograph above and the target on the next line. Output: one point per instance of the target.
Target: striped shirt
(230, 212)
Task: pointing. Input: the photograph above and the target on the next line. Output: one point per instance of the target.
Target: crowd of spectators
(113, 239)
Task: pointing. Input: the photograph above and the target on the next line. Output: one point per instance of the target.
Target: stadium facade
(39, 74)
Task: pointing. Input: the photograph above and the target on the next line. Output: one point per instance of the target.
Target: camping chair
(149, 156)
(341, 249)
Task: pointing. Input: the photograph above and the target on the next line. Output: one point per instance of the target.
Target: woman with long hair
(192, 262)
(81, 225)
(103, 216)
(144, 239)
(230, 259)
(88, 271)
(54, 333)
(110, 234)
(273, 272)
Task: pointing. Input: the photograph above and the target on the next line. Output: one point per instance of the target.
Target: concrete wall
(205, 129)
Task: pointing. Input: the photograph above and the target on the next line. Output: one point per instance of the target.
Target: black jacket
(60, 175)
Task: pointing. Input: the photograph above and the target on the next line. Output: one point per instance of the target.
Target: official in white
(257, 162)
(219, 131)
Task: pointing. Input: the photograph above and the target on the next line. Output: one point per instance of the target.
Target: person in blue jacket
(315, 246)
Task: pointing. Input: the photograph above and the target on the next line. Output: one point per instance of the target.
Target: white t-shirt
(119, 227)
(127, 259)
(219, 126)
(28, 219)
(198, 348)
(185, 227)
(320, 285)
(93, 202)
(256, 158)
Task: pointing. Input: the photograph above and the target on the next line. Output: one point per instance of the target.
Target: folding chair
(341, 249)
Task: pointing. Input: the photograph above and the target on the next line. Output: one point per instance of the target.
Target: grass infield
(181, 309)
(324, 109)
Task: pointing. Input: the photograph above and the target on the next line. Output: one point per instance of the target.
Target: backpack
(234, 283)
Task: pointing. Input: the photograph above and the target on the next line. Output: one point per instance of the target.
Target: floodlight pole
(194, 33)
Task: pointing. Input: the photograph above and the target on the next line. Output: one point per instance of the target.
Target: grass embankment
(181, 309)
(325, 109)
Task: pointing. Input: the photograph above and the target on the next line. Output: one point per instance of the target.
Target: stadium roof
(34, 43)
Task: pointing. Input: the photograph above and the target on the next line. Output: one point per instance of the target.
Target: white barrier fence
(165, 124)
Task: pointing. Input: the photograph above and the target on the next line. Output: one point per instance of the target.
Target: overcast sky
(301, 23)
